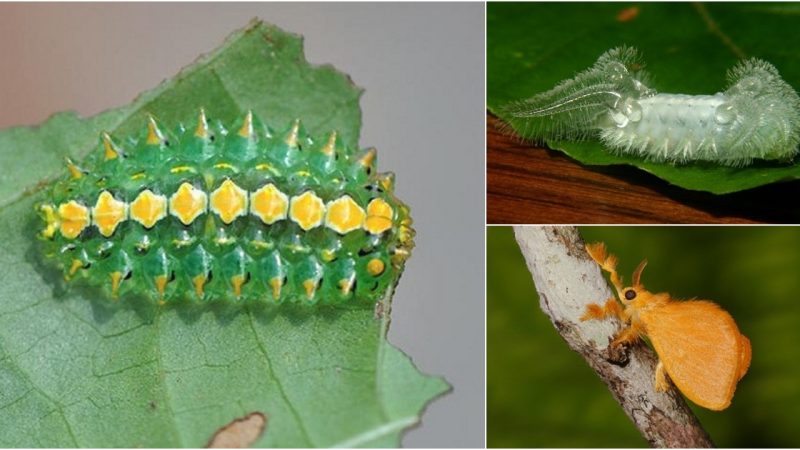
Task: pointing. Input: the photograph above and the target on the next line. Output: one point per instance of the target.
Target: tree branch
(567, 279)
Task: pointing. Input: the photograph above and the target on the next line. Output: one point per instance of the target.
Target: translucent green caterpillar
(241, 215)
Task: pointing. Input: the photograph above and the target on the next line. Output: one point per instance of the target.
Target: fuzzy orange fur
(699, 345)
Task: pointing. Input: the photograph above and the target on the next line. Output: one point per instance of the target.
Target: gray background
(422, 66)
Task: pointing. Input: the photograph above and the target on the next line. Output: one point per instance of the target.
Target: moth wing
(701, 348)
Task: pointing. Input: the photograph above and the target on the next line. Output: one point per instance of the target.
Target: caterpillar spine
(756, 117)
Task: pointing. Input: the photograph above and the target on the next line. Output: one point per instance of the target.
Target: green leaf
(77, 369)
(688, 49)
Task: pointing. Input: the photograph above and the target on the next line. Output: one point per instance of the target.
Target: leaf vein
(278, 383)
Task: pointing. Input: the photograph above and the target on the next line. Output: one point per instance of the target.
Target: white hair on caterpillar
(756, 117)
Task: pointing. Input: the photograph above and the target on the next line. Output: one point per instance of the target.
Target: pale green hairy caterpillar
(756, 117)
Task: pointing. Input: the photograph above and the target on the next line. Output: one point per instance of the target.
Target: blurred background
(542, 394)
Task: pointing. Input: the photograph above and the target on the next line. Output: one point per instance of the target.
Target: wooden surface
(526, 184)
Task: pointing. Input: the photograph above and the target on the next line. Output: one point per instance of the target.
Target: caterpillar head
(623, 67)
(577, 107)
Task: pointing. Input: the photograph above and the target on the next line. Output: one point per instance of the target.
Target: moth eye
(630, 294)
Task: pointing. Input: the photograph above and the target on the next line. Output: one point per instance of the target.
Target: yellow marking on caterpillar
(198, 282)
(161, 286)
(108, 213)
(224, 166)
(387, 181)
(154, 135)
(400, 256)
(344, 215)
(181, 169)
(76, 265)
(275, 283)
(51, 221)
(375, 267)
(260, 244)
(292, 137)
(328, 255)
(187, 203)
(298, 248)
(307, 210)
(202, 125)
(310, 286)
(330, 146)
(74, 171)
(369, 158)
(246, 131)
(109, 150)
(237, 281)
(148, 208)
(229, 201)
(74, 218)
(346, 284)
(116, 279)
(379, 216)
(269, 204)
(222, 239)
(182, 242)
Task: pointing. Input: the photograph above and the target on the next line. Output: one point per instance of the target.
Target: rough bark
(567, 279)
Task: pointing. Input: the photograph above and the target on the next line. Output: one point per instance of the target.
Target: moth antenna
(606, 262)
(202, 125)
(246, 131)
(637, 274)
(154, 134)
(110, 150)
(610, 266)
(597, 251)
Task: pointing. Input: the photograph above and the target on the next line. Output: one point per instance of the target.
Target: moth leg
(628, 336)
(597, 312)
(661, 384)
(607, 262)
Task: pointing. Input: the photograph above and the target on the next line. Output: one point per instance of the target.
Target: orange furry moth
(698, 343)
